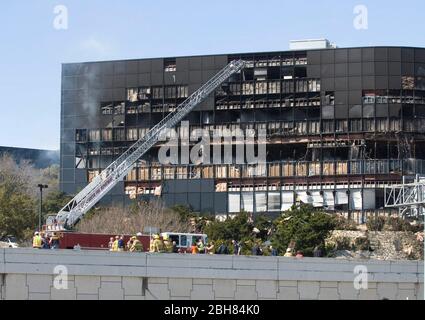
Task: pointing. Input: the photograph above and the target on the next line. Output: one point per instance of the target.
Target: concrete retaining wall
(30, 274)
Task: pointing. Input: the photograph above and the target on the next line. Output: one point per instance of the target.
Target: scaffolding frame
(408, 197)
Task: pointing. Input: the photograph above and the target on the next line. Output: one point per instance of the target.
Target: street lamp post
(41, 187)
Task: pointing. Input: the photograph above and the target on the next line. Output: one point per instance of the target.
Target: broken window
(170, 65)
(369, 97)
(208, 172)
(156, 173)
(107, 135)
(182, 91)
(169, 173)
(221, 172)
(301, 61)
(287, 61)
(328, 126)
(408, 82)
(143, 174)
(144, 93)
(247, 88)
(81, 135)
(107, 108)
(301, 86)
(260, 74)
(157, 92)
(91, 174)
(170, 92)
(261, 87)
(132, 94)
(132, 134)
(94, 135)
(341, 126)
(132, 175)
(119, 134)
(369, 125)
(329, 98)
(314, 85)
(119, 108)
(355, 125)
(287, 86)
(274, 87)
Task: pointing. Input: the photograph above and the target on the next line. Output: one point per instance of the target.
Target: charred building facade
(341, 123)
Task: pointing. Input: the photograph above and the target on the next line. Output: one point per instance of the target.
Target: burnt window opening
(170, 65)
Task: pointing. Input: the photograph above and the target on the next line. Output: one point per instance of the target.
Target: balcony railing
(284, 169)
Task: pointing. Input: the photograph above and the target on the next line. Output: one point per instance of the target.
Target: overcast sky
(32, 49)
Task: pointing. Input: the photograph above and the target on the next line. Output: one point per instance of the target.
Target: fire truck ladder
(115, 172)
(408, 197)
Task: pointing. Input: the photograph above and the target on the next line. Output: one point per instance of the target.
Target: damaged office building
(341, 124)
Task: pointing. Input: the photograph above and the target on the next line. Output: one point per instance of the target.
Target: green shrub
(375, 223)
(341, 223)
(362, 243)
(343, 243)
(306, 226)
(397, 224)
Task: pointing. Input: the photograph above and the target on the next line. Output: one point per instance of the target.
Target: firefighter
(168, 244)
(136, 245)
(151, 245)
(158, 246)
(115, 244)
(54, 241)
(37, 241)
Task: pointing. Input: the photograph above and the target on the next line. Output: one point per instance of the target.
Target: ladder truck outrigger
(117, 170)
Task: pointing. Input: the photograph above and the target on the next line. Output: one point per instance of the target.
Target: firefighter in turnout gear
(157, 244)
(168, 244)
(136, 245)
(37, 241)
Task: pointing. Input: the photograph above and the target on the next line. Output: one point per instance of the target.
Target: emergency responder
(54, 241)
(37, 242)
(158, 246)
(168, 245)
(136, 245)
(115, 244)
(151, 249)
(129, 244)
(201, 246)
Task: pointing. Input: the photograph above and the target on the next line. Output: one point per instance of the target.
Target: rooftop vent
(311, 44)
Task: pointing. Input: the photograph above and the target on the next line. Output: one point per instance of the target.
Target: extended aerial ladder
(118, 169)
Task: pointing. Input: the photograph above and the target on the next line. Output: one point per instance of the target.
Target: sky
(32, 47)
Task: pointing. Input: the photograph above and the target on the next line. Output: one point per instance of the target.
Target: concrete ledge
(29, 261)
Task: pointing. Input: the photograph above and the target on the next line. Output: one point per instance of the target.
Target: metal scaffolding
(408, 197)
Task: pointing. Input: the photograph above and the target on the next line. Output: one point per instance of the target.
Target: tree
(239, 228)
(54, 202)
(133, 220)
(17, 214)
(19, 198)
(306, 226)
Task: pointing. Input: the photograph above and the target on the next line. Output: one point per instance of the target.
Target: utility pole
(41, 187)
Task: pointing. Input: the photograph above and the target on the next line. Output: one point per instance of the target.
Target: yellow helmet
(133, 238)
(155, 236)
(166, 237)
